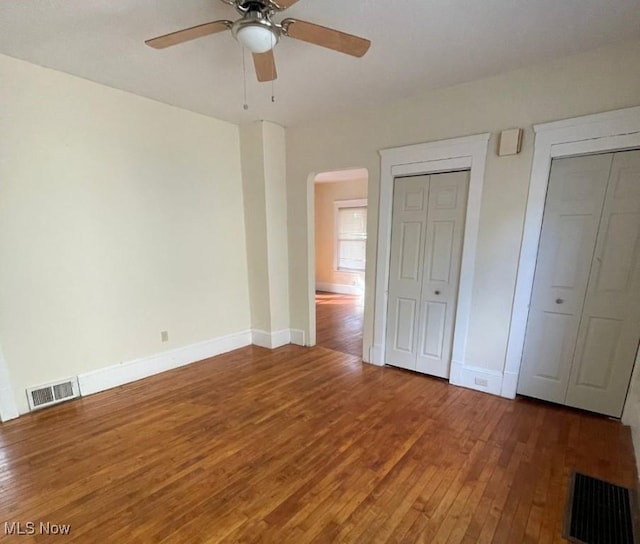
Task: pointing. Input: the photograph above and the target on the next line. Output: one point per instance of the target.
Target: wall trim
(465, 153)
(137, 369)
(473, 377)
(8, 406)
(270, 340)
(298, 337)
(338, 288)
(375, 355)
(144, 367)
(603, 132)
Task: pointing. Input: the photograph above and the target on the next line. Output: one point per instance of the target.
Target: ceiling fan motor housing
(255, 30)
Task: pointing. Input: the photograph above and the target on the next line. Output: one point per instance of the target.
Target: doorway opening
(340, 212)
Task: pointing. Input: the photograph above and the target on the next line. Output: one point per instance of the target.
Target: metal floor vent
(53, 393)
(599, 512)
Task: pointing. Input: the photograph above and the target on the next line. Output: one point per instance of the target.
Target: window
(351, 234)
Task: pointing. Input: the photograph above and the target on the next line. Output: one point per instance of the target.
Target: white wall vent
(42, 396)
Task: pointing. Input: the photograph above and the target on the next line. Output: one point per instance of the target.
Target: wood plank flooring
(339, 322)
(301, 445)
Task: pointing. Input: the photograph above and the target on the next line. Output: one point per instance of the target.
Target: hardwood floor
(301, 445)
(339, 322)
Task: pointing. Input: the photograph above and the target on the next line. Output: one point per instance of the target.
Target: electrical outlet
(482, 382)
(164, 336)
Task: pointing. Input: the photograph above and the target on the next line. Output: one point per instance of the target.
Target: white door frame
(466, 153)
(600, 133)
(8, 406)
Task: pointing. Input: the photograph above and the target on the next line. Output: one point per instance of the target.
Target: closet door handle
(559, 301)
(437, 292)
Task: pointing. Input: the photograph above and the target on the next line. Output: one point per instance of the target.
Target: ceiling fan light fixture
(256, 32)
(257, 38)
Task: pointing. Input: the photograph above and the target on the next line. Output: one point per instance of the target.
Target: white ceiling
(417, 45)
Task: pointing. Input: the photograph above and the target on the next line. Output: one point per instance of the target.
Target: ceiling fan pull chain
(245, 106)
(273, 94)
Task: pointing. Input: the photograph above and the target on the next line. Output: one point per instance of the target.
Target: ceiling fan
(256, 31)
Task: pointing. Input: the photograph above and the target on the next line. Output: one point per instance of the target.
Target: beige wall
(598, 81)
(275, 168)
(251, 145)
(326, 193)
(265, 200)
(120, 217)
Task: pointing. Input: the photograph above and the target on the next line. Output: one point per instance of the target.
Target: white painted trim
(130, 371)
(113, 376)
(351, 203)
(311, 259)
(339, 288)
(603, 132)
(509, 384)
(137, 369)
(270, 340)
(474, 377)
(8, 406)
(466, 153)
(375, 355)
(297, 337)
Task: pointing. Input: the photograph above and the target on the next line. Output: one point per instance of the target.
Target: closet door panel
(442, 256)
(575, 198)
(410, 201)
(610, 328)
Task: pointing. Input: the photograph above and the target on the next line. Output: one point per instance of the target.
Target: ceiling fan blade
(265, 64)
(326, 37)
(180, 36)
(283, 4)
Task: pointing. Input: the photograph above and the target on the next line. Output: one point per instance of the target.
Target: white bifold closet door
(584, 319)
(426, 248)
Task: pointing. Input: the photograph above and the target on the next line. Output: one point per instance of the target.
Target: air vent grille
(42, 396)
(63, 390)
(599, 512)
(47, 395)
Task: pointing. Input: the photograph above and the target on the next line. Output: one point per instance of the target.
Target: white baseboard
(130, 371)
(366, 354)
(471, 377)
(509, 385)
(270, 340)
(137, 369)
(455, 373)
(298, 337)
(480, 379)
(339, 288)
(375, 355)
(276, 339)
(8, 405)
